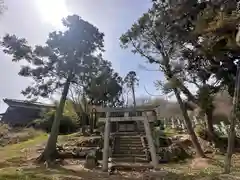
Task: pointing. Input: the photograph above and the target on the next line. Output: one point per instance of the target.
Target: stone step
(130, 160)
(128, 146)
(130, 143)
(129, 155)
(134, 139)
(127, 137)
(134, 144)
(128, 140)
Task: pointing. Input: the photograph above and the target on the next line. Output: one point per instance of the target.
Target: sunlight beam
(52, 11)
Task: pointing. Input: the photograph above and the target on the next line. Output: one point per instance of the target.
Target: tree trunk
(209, 121)
(232, 133)
(134, 105)
(91, 125)
(50, 152)
(231, 140)
(188, 123)
(134, 98)
(84, 122)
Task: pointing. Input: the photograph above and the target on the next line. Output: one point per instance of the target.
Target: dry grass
(22, 149)
(17, 156)
(10, 135)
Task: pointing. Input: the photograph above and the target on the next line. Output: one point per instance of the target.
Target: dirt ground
(17, 162)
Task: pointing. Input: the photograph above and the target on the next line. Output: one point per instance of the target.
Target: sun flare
(52, 11)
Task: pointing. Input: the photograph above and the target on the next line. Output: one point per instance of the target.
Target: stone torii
(144, 118)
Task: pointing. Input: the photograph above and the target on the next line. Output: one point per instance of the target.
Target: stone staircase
(129, 148)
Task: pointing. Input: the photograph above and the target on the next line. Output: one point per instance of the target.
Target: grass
(14, 165)
(35, 173)
(169, 132)
(15, 174)
(20, 149)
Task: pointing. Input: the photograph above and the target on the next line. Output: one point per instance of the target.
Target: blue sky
(113, 17)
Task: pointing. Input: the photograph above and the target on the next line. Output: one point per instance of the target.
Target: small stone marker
(91, 161)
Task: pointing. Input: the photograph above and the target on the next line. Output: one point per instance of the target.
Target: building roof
(14, 102)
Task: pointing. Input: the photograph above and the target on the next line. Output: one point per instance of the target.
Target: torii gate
(144, 114)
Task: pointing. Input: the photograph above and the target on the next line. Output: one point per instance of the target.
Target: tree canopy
(68, 54)
(68, 57)
(105, 88)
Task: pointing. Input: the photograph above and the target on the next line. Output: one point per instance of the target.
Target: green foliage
(157, 133)
(66, 55)
(68, 122)
(200, 130)
(205, 98)
(67, 125)
(105, 88)
(69, 111)
(101, 126)
(131, 79)
(170, 132)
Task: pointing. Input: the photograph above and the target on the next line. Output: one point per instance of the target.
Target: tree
(202, 32)
(80, 105)
(208, 28)
(217, 29)
(149, 37)
(233, 119)
(67, 58)
(196, 73)
(2, 6)
(105, 88)
(131, 81)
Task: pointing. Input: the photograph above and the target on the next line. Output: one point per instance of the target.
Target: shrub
(100, 124)
(170, 132)
(200, 130)
(100, 127)
(4, 129)
(157, 135)
(67, 125)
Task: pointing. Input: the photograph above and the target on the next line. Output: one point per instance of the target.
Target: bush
(170, 132)
(67, 125)
(100, 124)
(100, 127)
(200, 130)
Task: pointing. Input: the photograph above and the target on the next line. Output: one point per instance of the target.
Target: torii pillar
(150, 142)
(106, 143)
